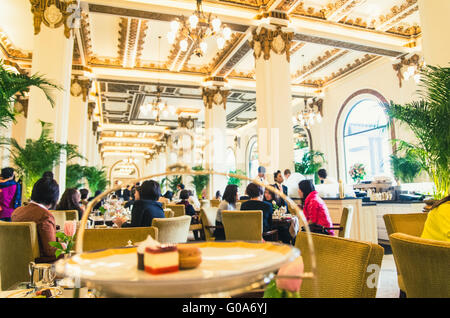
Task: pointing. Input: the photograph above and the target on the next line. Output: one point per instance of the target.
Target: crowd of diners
(146, 202)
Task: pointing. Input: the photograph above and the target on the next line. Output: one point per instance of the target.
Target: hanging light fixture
(197, 29)
(157, 108)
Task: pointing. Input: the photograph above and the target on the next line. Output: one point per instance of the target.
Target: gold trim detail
(414, 60)
(80, 87)
(271, 40)
(53, 13)
(215, 96)
(91, 108)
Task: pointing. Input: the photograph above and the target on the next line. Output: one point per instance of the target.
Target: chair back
(173, 230)
(424, 264)
(178, 209)
(169, 214)
(214, 203)
(62, 216)
(242, 225)
(19, 246)
(208, 218)
(411, 224)
(342, 267)
(98, 239)
(346, 222)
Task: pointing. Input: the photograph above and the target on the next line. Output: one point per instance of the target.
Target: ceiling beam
(135, 128)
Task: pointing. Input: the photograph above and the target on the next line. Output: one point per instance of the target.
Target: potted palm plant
(428, 119)
(311, 162)
(96, 178)
(199, 181)
(236, 181)
(14, 85)
(37, 156)
(74, 176)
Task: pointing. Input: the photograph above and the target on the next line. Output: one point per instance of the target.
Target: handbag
(316, 228)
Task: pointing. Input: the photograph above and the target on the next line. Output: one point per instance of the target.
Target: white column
(271, 47)
(435, 23)
(52, 58)
(215, 99)
(78, 125)
(5, 132)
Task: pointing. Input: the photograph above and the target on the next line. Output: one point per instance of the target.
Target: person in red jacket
(314, 208)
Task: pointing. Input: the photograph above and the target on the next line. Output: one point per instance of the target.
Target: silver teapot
(41, 275)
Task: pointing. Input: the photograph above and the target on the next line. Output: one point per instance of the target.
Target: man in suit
(278, 177)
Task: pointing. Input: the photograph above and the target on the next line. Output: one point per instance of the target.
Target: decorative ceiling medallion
(275, 40)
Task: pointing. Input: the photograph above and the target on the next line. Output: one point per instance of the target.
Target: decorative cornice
(141, 40)
(90, 110)
(220, 55)
(397, 14)
(335, 11)
(267, 40)
(186, 122)
(215, 96)
(85, 34)
(414, 60)
(309, 12)
(80, 87)
(11, 51)
(53, 13)
(123, 38)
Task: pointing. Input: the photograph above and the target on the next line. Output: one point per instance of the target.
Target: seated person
(314, 208)
(70, 200)
(230, 197)
(283, 228)
(193, 200)
(255, 193)
(146, 208)
(189, 209)
(437, 225)
(44, 196)
(324, 178)
(10, 194)
(282, 188)
(126, 194)
(84, 193)
(218, 195)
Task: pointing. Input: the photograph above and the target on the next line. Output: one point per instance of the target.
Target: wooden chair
(98, 239)
(208, 219)
(345, 225)
(342, 267)
(214, 203)
(61, 216)
(19, 246)
(178, 209)
(173, 230)
(246, 226)
(424, 264)
(408, 223)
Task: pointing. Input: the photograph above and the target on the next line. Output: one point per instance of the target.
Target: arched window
(302, 142)
(253, 162)
(366, 139)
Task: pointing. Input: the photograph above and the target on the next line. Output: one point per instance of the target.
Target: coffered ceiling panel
(104, 34)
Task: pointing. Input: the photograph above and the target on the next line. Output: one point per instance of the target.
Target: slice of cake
(160, 260)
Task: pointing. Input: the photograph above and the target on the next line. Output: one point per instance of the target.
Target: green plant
(236, 181)
(13, 85)
(406, 168)
(199, 181)
(37, 156)
(311, 162)
(96, 178)
(428, 119)
(74, 174)
(171, 183)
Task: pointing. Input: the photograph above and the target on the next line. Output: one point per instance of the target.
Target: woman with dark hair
(189, 209)
(255, 192)
(70, 200)
(84, 193)
(10, 194)
(230, 197)
(314, 208)
(437, 225)
(218, 195)
(44, 196)
(269, 196)
(146, 208)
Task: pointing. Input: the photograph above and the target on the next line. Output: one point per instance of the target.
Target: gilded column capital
(55, 13)
(91, 107)
(80, 87)
(266, 40)
(215, 95)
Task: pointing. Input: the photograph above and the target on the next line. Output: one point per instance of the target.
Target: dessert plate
(225, 266)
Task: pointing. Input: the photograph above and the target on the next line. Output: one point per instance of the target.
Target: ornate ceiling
(118, 43)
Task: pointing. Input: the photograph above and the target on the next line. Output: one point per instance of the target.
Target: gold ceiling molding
(397, 14)
(288, 5)
(10, 50)
(53, 13)
(186, 122)
(229, 45)
(320, 62)
(245, 75)
(123, 34)
(273, 14)
(15, 65)
(296, 47)
(85, 34)
(271, 40)
(91, 108)
(215, 96)
(337, 10)
(414, 60)
(309, 12)
(80, 87)
(141, 40)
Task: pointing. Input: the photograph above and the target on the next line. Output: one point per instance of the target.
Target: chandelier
(196, 29)
(310, 114)
(158, 108)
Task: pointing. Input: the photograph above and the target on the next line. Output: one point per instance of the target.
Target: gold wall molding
(215, 96)
(53, 13)
(266, 40)
(80, 87)
(319, 63)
